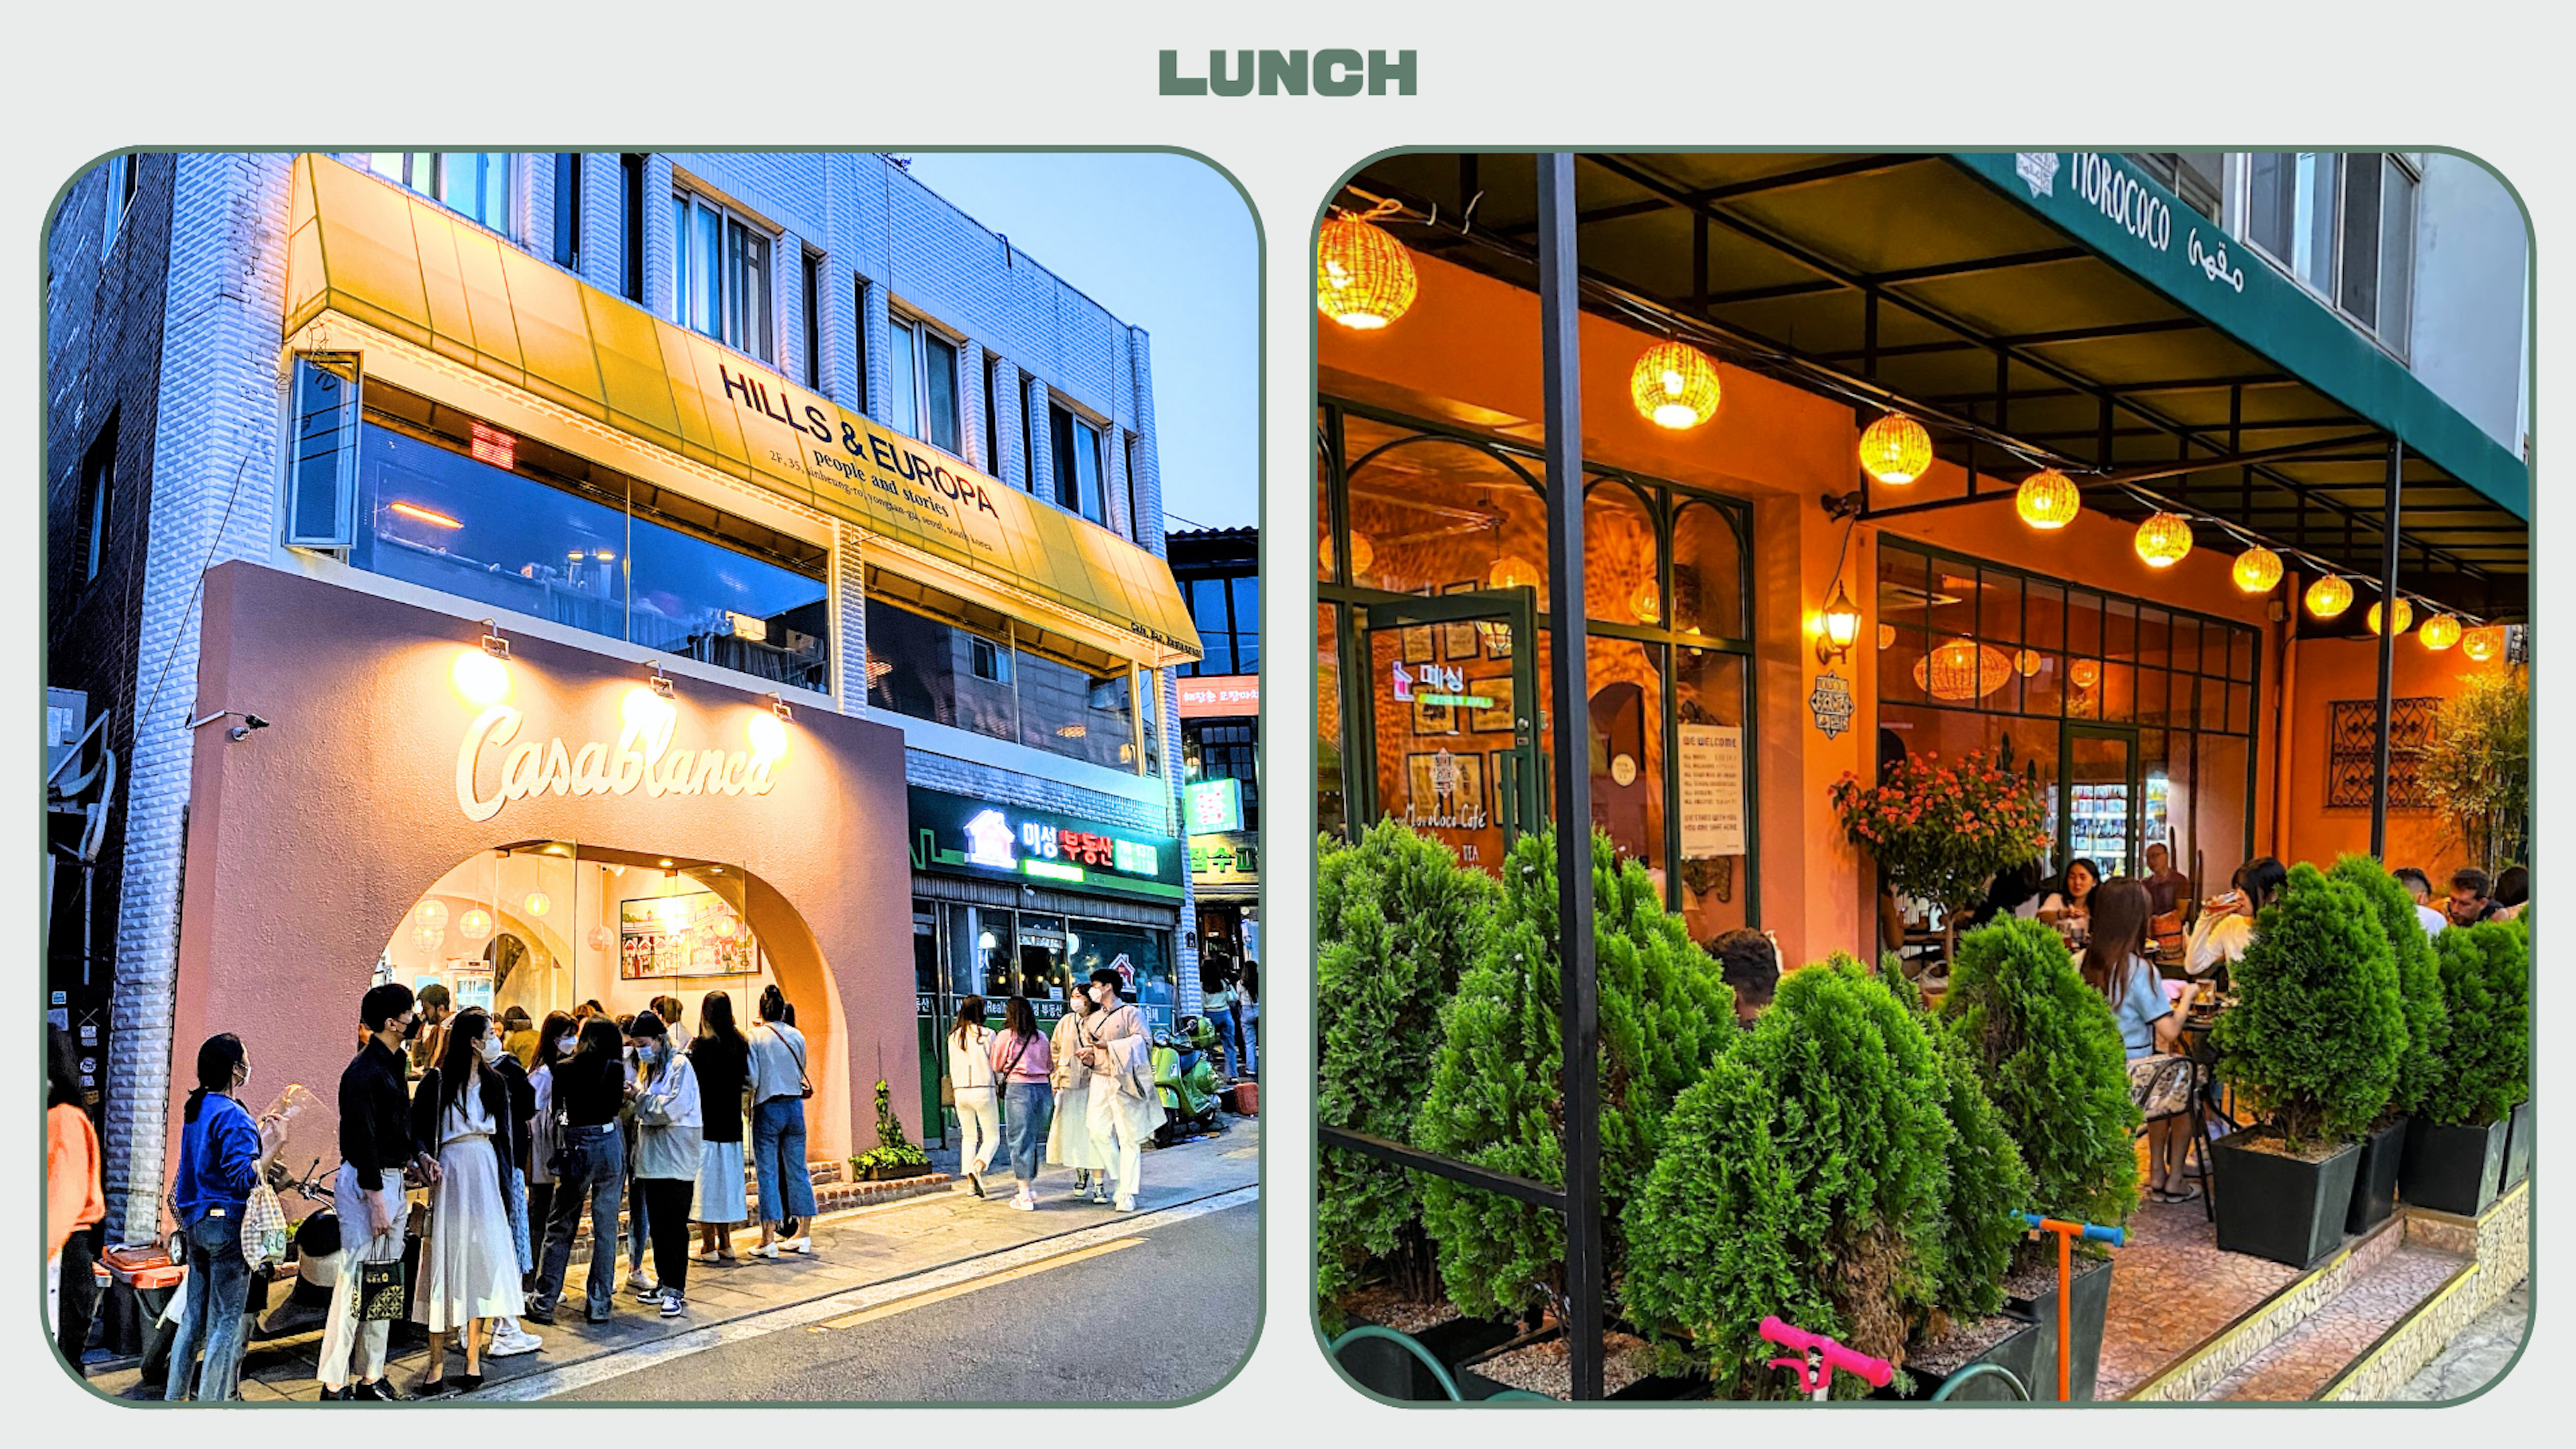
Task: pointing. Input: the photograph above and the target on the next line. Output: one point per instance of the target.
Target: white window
(120, 199)
(720, 277)
(921, 383)
(2342, 222)
(1076, 443)
(474, 184)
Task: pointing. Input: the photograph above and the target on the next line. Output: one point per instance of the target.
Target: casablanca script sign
(642, 759)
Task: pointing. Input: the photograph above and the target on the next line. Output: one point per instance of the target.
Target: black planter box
(2089, 1308)
(896, 1173)
(1647, 1390)
(2517, 1148)
(2279, 1207)
(1386, 1369)
(2374, 1183)
(2017, 1352)
(2452, 1169)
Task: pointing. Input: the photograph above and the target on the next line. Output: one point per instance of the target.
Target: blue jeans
(778, 1159)
(597, 1178)
(216, 1310)
(1025, 1109)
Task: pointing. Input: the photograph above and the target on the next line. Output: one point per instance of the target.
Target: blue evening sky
(1164, 242)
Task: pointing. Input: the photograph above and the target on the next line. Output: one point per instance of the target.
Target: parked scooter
(314, 1264)
(1185, 1077)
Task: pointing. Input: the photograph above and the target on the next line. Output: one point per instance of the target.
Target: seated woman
(2115, 963)
(2226, 925)
(2070, 901)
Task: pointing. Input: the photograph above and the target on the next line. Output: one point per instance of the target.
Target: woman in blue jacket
(221, 1153)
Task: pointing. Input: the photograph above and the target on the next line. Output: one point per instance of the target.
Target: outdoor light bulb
(475, 924)
(2163, 540)
(2440, 632)
(2257, 570)
(432, 914)
(481, 680)
(1674, 385)
(2329, 596)
(768, 737)
(537, 904)
(1842, 620)
(2482, 645)
(985, 942)
(1363, 277)
(2048, 499)
(1895, 450)
(645, 710)
(2405, 617)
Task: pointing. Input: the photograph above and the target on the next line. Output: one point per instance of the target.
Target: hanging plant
(1942, 832)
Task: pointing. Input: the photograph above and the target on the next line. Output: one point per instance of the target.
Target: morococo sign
(643, 759)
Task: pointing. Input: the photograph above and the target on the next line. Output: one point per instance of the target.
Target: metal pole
(1560, 367)
(2387, 651)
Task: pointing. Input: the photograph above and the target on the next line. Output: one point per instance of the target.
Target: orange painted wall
(2339, 669)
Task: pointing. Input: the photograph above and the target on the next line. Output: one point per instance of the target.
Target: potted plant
(2419, 987)
(2313, 1044)
(894, 1156)
(2455, 1151)
(1808, 1174)
(1942, 832)
(1397, 918)
(1495, 1093)
(2048, 1051)
(2477, 767)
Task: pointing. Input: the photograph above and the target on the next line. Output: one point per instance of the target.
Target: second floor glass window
(720, 276)
(921, 381)
(474, 184)
(1077, 464)
(2344, 223)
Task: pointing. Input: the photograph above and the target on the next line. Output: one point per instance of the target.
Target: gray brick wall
(189, 363)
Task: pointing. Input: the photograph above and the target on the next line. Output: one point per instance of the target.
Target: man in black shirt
(375, 1147)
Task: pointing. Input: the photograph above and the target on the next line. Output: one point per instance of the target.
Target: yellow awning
(397, 262)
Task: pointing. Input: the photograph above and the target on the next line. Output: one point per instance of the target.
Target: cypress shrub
(2048, 1050)
(1495, 1097)
(1808, 1174)
(2419, 980)
(1397, 918)
(2486, 987)
(1989, 1182)
(2317, 1032)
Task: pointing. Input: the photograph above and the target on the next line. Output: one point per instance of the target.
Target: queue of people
(512, 1133)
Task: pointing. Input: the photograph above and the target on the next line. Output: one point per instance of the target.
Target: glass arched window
(1708, 573)
(1438, 516)
(1620, 578)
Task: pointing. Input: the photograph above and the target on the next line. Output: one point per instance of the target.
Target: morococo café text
(532, 816)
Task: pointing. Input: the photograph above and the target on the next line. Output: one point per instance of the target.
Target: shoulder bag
(380, 1290)
(804, 1083)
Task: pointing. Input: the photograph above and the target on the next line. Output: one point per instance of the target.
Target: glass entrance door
(2099, 799)
(1447, 715)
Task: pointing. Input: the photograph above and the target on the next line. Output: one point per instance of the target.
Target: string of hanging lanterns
(1365, 280)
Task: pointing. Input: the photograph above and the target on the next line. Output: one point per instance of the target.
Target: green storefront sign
(960, 835)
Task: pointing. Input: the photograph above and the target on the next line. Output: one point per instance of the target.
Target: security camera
(249, 722)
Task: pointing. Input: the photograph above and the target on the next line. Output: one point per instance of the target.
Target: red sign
(1218, 696)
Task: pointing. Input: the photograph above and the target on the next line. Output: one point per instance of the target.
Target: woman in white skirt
(721, 1055)
(978, 1102)
(1069, 1144)
(469, 1268)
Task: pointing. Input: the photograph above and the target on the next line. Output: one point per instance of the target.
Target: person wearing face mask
(221, 1153)
(670, 1150)
(555, 1041)
(1123, 1105)
(508, 1338)
(469, 1271)
(779, 1086)
(1069, 1141)
(376, 1144)
(589, 1088)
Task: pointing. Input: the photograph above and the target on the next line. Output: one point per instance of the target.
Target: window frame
(630, 167)
(2328, 290)
(923, 332)
(812, 276)
(434, 188)
(992, 415)
(567, 249)
(1068, 474)
(748, 329)
(122, 180)
(97, 500)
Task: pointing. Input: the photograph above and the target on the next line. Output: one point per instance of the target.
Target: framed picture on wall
(1420, 646)
(1460, 642)
(697, 934)
(1433, 719)
(1445, 790)
(1495, 718)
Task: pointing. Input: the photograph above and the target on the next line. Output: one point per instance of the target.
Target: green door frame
(2127, 734)
(1517, 802)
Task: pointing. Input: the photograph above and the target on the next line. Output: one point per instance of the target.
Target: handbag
(804, 1083)
(380, 1290)
(264, 1231)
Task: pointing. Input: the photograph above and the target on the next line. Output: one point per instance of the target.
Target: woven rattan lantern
(1363, 277)
(2484, 644)
(1895, 450)
(2440, 632)
(2329, 596)
(1674, 385)
(2028, 661)
(2405, 617)
(2257, 570)
(1511, 571)
(2163, 540)
(1962, 670)
(2086, 673)
(2048, 499)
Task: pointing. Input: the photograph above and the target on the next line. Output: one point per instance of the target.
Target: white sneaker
(510, 1340)
(641, 1286)
(1026, 1202)
(1126, 1204)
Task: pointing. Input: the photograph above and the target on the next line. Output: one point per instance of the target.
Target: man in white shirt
(2420, 886)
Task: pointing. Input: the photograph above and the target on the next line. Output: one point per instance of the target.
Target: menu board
(696, 934)
(1712, 791)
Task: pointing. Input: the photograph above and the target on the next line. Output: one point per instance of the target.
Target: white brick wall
(220, 419)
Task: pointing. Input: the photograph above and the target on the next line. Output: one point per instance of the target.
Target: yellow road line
(936, 1295)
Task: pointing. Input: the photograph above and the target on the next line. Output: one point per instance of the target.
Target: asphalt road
(1164, 1313)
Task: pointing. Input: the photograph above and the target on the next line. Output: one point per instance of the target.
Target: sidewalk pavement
(852, 1250)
